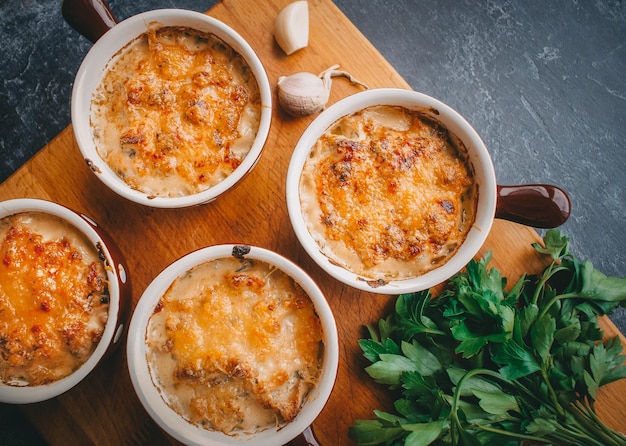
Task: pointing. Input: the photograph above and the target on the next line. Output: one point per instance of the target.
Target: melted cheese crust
(176, 112)
(235, 346)
(386, 194)
(54, 299)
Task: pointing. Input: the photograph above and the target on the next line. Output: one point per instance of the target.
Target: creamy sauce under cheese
(235, 346)
(386, 194)
(54, 299)
(176, 112)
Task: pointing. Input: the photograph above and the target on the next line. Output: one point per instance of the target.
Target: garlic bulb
(291, 28)
(303, 94)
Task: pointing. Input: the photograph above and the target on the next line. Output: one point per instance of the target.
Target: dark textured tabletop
(543, 83)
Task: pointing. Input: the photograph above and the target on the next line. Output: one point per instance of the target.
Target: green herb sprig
(482, 365)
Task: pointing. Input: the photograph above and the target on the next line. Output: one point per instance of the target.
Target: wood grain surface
(104, 410)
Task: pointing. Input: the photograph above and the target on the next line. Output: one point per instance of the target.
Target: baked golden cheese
(54, 299)
(176, 112)
(387, 194)
(235, 346)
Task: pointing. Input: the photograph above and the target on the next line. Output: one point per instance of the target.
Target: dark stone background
(543, 83)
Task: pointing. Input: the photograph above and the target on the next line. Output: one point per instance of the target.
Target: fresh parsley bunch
(480, 365)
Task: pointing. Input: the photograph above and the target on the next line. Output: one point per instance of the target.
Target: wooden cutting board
(104, 409)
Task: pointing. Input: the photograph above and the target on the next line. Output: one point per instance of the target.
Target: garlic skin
(291, 27)
(303, 93)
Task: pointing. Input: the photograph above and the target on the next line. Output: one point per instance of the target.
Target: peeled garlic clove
(302, 94)
(291, 28)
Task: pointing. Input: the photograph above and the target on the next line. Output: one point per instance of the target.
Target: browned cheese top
(387, 194)
(235, 346)
(53, 299)
(176, 112)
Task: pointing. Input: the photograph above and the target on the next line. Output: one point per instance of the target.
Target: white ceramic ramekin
(93, 68)
(119, 305)
(173, 423)
(478, 157)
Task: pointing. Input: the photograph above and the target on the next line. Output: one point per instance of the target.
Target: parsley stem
(456, 397)
(550, 271)
(552, 394)
(564, 435)
(558, 297)
(587, 418)
(511, 434)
